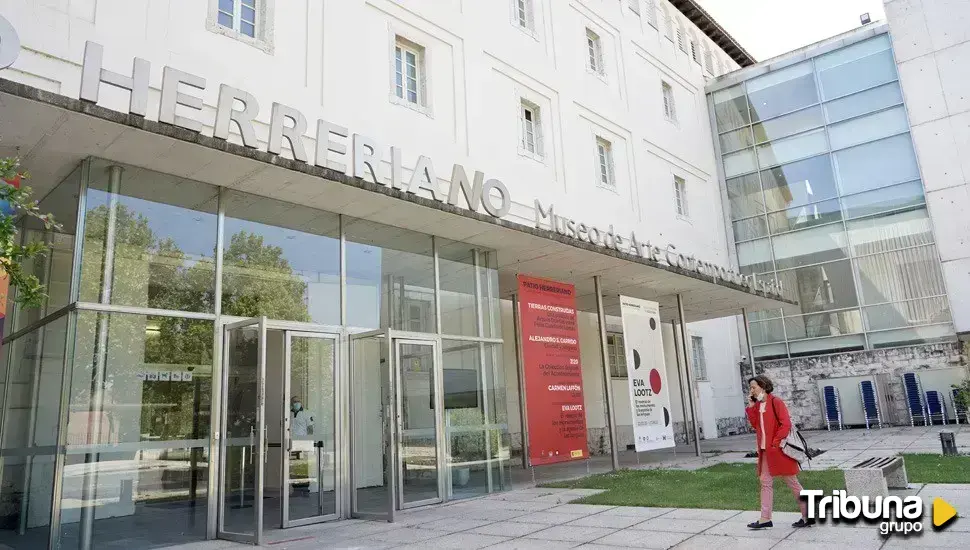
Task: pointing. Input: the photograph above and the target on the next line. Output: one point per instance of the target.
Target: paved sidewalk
(543, 518)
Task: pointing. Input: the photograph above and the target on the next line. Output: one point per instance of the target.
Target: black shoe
(759, 525)
(802, 522)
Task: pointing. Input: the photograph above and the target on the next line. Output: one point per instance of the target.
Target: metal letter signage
(9, 44)
(646, 374)
(553, 372)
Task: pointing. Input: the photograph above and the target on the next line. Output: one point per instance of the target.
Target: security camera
(744, 358)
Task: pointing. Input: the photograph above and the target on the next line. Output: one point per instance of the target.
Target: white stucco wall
(931, 39)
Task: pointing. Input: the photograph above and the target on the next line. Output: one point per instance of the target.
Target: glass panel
(821, 287)
(751, 228)
(248, 29)
(822, 346)
(138, 432)
(863, 102)
(390, 277)
(889, 198)
(225, 19)
(771, 351)
(419, 439)
(788, 125)
(744, 194)
(741, 162)
(30, 434)
(900, 275)
(226, 5)
(810, 246)
(911, 336)
(491, 301)
(731, 108)
(782, 91)
(164, 233)
(764, 314)
(817, 325)
(755, 256)
(465, 423)
(803, 182)
(889, 232)
(459, 307)
(801, 217)
(857, 67)
(905, 314)
(868, 128)
(877, 164)
(738, 139)
(281, 260)
(312, 462)
(766, 332)
(370, 402)
(793, 148)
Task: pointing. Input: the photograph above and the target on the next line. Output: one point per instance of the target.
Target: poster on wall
(646, 374)
(553, 373)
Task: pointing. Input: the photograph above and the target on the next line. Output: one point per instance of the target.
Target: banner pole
(520, 370)
(690, 374)
(607, 379)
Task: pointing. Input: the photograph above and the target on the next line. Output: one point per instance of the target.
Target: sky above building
(767, 28)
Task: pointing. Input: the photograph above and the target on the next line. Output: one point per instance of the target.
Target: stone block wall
(795, 380)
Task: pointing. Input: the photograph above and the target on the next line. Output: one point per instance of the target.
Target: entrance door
(310, 457)
(419, 420)
(242, 446)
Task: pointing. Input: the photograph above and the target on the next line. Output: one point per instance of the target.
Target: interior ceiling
(53, 140)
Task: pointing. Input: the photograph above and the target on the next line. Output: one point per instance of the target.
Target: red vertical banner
(553, 372)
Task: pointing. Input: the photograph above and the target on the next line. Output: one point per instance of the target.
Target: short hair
(764, 382)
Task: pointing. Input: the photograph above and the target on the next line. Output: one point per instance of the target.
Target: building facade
(278, 296)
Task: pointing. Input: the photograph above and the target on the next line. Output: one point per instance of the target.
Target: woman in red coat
(769, 418)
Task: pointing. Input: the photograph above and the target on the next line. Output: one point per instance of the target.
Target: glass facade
(824, 194)
(108, 390)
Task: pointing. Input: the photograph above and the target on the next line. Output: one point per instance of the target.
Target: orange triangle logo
(943, 512)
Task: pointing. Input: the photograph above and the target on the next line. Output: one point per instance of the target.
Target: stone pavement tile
(421, 516)
(357, 544)
(529, 506)
(494, 515)
(678, 525)
(930, 539)
(532, 544)
(579, 509)
(406, 535)
(698, 513)
(844, 535)
(789, 544)
(642, 512)
(737, 529)
(719, 542)
(556, 500)
(547, 517)
(359, 529)
(570, 534)
(452, 525)
(509, 529)
(947, 487)
(634, 538)
(463, 541)
(603, 520)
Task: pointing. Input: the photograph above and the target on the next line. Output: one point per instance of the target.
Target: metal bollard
(949, 441)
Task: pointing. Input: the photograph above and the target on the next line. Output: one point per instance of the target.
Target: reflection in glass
(371, 418)
(890, 232)
(801, 217)
(418, 417)
(803, 182)
(164, 234)
(831, 344)
(901, 275)
(770, 351)
(906, 314)
(755, 256)
(30, 434)
(767, 332)
(787, 125)
(782, 91)
(877, 164)
(280, 260)
(810, 246)
(744, 194)
(868, 128)
(863, 102)
(792, 148)
(821, 287)
(390, 277)
(737, 139)
(857, 67)
(911, 336)
(731, 108)
(817, 325)
(465, 424)
(883, 200)
(751, 228)
(491, 301)
(459, 308)
(741, 162)
(138, 430)
(241, 441)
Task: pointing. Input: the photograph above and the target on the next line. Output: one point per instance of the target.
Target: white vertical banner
(646, 374)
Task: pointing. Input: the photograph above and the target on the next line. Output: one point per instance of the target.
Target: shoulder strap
(774, 410)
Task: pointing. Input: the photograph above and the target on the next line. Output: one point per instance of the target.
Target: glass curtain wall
(825, 195)
(107, 388)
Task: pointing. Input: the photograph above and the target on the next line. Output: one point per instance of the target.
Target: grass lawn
(736, 487)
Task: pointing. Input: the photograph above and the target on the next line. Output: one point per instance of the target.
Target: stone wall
(795, 380)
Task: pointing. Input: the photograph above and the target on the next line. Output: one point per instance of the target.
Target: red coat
(776, 430)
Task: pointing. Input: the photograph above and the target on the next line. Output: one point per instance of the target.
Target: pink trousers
(768, 490)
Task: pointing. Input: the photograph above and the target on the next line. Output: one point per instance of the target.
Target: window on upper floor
(524, 15)
(708, 60)
(651, 7)
(530, 122)
(681, 38)
(634, 6)
(670, 109)
(604, 163)
(698, 358)
(238, 15)
(695, 54)
(680, 196)
(594, 45)
(617, 354)
(410, 76)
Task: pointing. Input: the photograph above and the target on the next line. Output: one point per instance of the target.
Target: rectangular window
(525, 14)
(680, 196)
(409, 72)
(617, 354)
(634, 6)
(604, 161)
(651, 8)
(670, 109)
(698, 358)
(693, 52)
(595, 52)
(238, 15)
(531, 124)
(681, 42)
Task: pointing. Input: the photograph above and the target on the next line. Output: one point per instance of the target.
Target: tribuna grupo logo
(893, 514)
